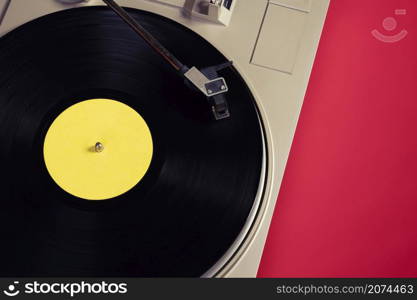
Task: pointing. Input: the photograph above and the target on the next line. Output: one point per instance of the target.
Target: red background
(348, 202)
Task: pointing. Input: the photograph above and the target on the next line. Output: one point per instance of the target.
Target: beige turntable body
(273, 45)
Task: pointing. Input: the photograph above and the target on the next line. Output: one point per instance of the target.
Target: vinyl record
(202, 180)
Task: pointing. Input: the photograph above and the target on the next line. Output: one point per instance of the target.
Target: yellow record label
(98, 149)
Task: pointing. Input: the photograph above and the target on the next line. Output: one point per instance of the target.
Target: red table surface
(348, 202)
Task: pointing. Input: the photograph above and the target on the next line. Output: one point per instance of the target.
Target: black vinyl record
(182, 217)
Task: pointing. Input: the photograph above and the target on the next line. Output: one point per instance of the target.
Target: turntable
(123, 160)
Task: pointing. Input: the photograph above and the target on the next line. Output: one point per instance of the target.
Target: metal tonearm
(206, 80)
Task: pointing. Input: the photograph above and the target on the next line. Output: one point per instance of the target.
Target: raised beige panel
(303, 5)
(280, 35)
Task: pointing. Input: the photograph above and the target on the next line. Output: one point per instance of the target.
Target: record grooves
(203, 179)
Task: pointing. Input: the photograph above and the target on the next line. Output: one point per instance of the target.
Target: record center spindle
(98, 147)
